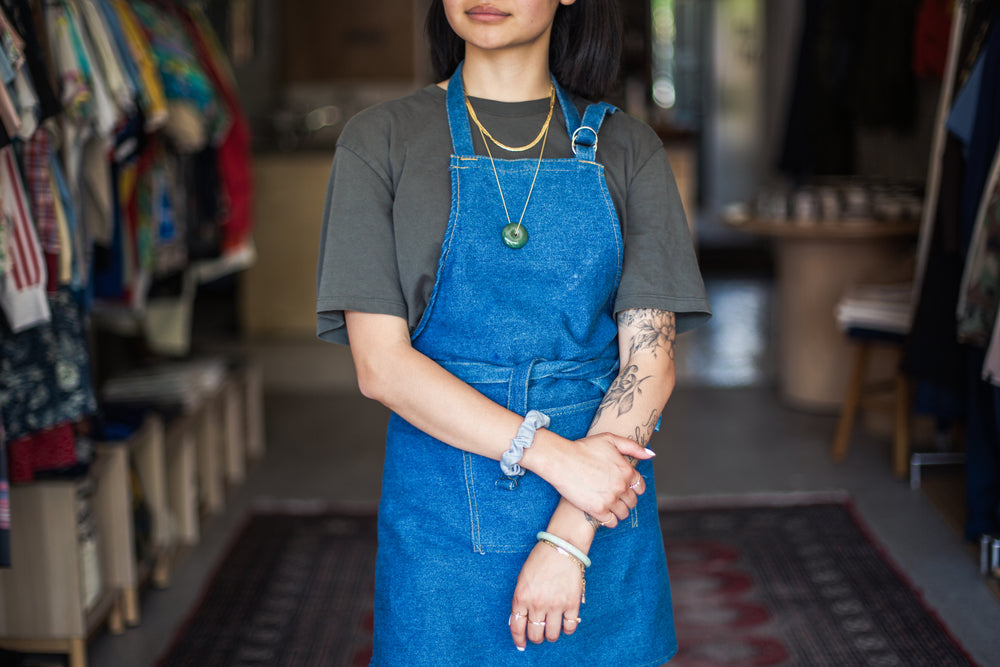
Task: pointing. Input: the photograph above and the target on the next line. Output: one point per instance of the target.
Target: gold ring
(516, 615)
(569, 619)
(536, 622)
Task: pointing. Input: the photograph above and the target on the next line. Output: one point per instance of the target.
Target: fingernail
(650, 451)
(520, 648)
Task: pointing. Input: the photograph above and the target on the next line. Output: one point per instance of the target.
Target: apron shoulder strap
(458, 117)
(584, 137)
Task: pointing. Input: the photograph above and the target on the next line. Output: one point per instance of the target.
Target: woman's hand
(547, 597)
(593, 474)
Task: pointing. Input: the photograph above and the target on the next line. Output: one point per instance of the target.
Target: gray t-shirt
(389, 198)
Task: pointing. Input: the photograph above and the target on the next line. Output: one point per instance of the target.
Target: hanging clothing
(982, 438)
(233, 155)
(46, 451)
(4, 504)
(933, 354)
(979, 298)
(82, 249)
(121, 53)
(35, 157)
(45, 377)
(75, 96)
(67, 275)
(105, 58)
(884, 93)
(104, 114)
(982, 452)
(991, 365)
(8, 111)
(19, 12)
(853, 71)
(22, 294)
(153, 98)
(195, 116)
(27, 104)
(819, 127)
(932, 32)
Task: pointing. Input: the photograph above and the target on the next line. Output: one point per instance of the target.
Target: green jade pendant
(514, 236)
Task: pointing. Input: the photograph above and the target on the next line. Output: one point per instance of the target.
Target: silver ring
(635, 485)
(577, 132)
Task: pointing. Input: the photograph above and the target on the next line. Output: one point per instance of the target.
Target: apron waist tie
(518, 378)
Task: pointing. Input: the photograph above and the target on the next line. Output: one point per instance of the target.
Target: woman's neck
(505, 77)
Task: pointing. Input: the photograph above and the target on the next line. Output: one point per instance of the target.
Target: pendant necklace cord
(514, 149)
(544, 137)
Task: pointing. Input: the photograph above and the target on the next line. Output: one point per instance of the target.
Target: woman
(513, 294)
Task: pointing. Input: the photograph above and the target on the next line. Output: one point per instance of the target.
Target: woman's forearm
(591, 473)
(632, 405)
(419, 390)
(637, 423)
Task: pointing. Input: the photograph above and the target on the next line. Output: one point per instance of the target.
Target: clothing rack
(125, 181)
(937, 148)
(952, 310)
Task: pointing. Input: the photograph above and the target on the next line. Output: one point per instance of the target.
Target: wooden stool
(899, 388)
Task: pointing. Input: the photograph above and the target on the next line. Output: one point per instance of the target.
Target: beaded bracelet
(533, 421)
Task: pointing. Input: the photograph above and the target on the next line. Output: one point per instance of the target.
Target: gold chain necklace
(515, 236)
(514, 149)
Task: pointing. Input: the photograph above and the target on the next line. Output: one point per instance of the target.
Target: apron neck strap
(584, 135)
(570, 114)
(458, 116)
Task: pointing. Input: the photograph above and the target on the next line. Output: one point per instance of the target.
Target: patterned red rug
(754, 586)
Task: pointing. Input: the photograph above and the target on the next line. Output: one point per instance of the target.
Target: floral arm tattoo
(653, 331)
(644, 432)
(623, 391)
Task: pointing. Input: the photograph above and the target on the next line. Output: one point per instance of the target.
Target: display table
(816, 263)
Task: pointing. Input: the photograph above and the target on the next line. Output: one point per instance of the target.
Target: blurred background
(836, 161)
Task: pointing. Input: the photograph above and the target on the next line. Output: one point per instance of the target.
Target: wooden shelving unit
(184, 468)
(43, 607)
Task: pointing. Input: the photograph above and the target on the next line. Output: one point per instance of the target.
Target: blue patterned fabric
(45, 371)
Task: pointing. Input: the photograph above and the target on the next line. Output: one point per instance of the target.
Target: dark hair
(584, 52)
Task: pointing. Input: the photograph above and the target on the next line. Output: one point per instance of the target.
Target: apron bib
(530, 328)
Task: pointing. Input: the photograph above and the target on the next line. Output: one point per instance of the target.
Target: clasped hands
(598, 478)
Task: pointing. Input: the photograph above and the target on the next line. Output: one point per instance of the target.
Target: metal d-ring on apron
(530, 328)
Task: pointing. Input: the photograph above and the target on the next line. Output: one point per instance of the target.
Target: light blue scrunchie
(533, 421)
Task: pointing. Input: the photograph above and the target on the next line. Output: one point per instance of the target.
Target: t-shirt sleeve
(660, 269)
(356, 268)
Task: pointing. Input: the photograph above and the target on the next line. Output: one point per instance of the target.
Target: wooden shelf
(42, 601)
(825, 229)
(184, 467)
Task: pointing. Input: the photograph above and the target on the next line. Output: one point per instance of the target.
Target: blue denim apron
(531, 328)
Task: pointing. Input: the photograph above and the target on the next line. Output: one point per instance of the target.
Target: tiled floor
(725, 431)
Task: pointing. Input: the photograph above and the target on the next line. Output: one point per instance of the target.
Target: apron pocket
(506, 513)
